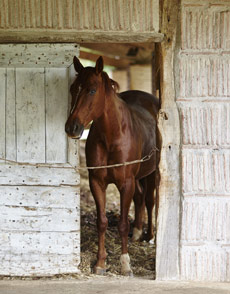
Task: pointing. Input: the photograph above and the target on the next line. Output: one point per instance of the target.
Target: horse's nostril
(75, 129)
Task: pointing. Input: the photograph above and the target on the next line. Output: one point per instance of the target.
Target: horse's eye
(92, 92)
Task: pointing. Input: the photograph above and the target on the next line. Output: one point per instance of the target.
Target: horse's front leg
(98, 190)
(126, 196)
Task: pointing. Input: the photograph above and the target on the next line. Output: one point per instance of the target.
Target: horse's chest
(110, 159)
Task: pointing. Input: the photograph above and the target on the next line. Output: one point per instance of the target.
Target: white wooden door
(39, 189)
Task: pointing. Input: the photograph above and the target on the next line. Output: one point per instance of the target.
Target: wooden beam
(168, 221)
(118, 63)
(39, 36)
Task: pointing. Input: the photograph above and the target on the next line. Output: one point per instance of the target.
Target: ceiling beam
(118, 63)
(142, 52)
(36, 36)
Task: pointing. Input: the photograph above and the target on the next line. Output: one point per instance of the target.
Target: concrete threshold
(110, 285)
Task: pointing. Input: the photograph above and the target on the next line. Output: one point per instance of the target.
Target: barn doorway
(35, 83)
(134, 66)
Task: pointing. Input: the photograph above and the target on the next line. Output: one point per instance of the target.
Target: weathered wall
(137, 77)
(141, 78)
(39, 203)
(121, 76)
(79, 20)
(203, 97)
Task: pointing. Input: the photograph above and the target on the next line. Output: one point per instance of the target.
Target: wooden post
(154, 73)
(168, 222)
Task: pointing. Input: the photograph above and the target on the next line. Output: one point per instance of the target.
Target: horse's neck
(110, 123)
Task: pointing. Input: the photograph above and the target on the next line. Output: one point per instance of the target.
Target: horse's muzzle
(74, 131)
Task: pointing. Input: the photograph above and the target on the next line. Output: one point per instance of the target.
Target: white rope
(143, 159)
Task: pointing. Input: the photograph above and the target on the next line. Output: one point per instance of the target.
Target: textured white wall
(66, 20)
(203, 100)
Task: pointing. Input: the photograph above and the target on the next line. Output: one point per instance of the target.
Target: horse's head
(88, 96)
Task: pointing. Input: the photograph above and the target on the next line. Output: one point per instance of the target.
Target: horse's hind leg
(139, 204)
(126, 196)
(149, 202)
(98, 191)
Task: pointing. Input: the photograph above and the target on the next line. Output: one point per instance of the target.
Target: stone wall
(203, 98)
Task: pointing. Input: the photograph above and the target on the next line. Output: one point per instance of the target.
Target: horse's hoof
(125, 265)
(99, 271)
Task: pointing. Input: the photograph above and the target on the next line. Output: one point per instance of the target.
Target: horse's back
(141, 99)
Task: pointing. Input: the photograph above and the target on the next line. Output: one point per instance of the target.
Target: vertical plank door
(39, 188)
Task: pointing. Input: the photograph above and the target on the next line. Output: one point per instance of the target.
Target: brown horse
(124, 129)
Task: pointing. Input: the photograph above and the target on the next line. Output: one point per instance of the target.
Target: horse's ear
(77, 64)
(99, 65)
